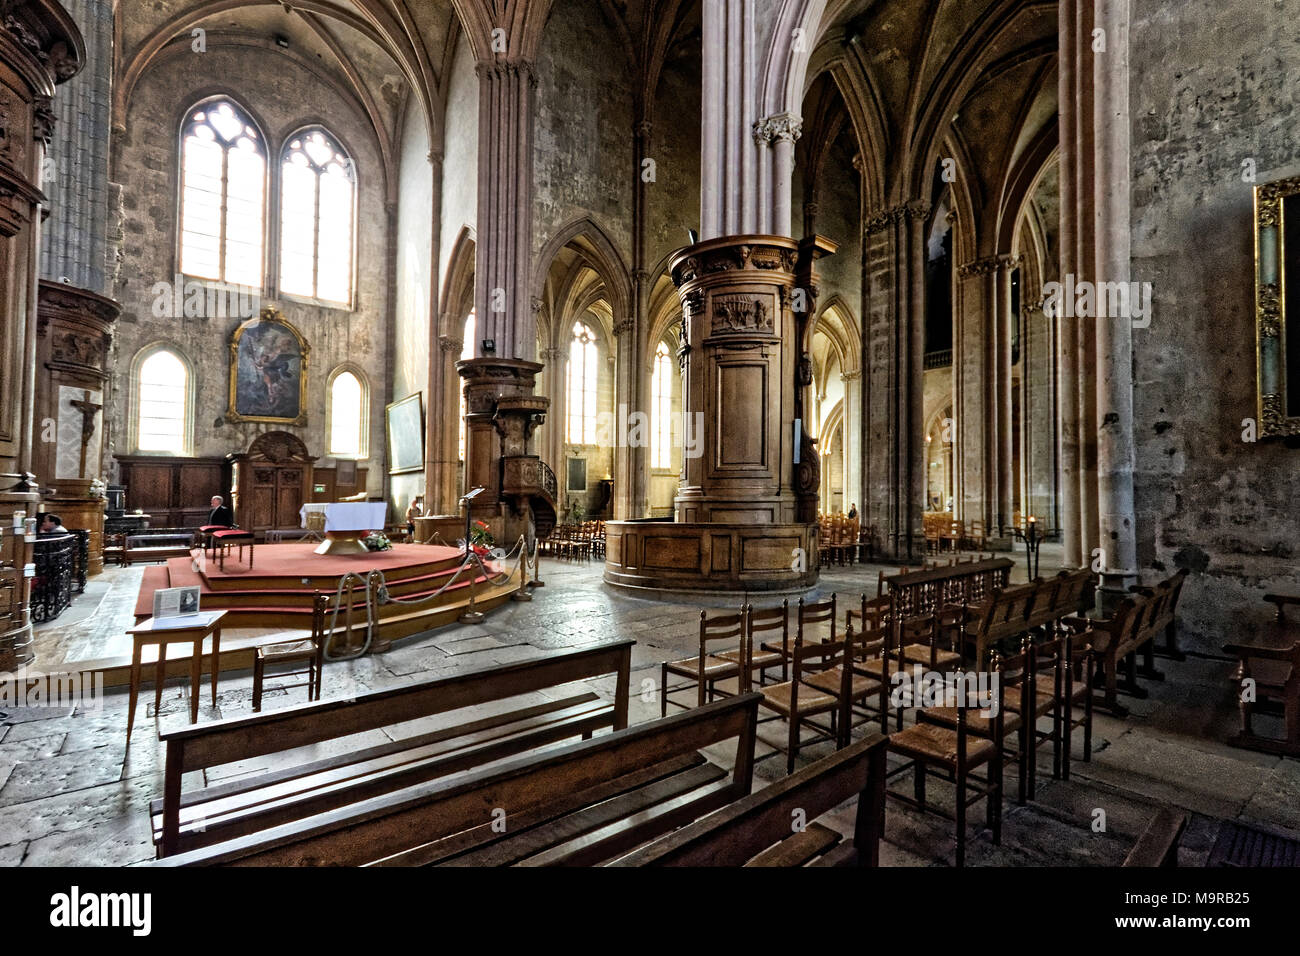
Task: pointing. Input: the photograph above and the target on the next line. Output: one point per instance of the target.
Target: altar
(346, 523)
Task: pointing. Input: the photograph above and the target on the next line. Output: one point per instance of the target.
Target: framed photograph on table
(404, 421)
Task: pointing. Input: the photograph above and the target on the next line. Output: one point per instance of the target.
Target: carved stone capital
(781, 126)
(989, 265)
(448, 344)
(624, 327)
(912, 211)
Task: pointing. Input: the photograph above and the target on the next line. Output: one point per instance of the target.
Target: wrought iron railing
(55, 557)
(548, 480)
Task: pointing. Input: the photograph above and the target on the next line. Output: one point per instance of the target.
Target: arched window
(316, 205)
(223, 195)
(466, 352)
(348, 410)
(582, 386)
(661, 392)
(162, 391)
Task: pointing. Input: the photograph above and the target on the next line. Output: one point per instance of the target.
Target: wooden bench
(1158, 844)
(157, 544)
(577, 805)
(757, 830)
(1036, 606)
(1282, 600)
(1275, 673)
(1132, 628)
(312, 784)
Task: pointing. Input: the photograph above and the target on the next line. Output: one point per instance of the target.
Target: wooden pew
(921, 593)
(1276, 675)
(306, 786)
(578, 805)
(1158, 844)
(1133, 627)
(1282, 601)
(757, 831)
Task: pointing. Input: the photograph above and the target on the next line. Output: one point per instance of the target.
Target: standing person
(853, 510)
(416, 510)
(220, 516)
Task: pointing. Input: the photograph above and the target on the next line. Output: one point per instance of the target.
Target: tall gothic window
(661, 392)
(582, 386)
(223, 195)
(162, 391)
(347, 415)
(466, 352)
(316, 218)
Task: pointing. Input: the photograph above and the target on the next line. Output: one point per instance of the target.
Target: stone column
(638, 494)
(780, 133)
(40, 47)
(852, 438)
(444, 468)
(503, 252)
(1002, 318)
(627, 372)
(552, 384)
(737, 186)
(1116, 515)
(894, 306)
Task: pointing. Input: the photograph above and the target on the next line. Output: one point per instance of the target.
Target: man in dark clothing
(221, 516)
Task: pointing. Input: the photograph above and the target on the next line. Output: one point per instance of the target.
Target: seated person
(51, 524)
(220, 516)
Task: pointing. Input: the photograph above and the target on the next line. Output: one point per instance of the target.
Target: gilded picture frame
(268, 371)
(1277, 293)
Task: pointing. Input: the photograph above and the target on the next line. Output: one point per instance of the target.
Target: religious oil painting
(405, 421)
(268, 372)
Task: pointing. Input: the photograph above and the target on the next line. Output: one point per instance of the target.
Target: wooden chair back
(761, 623)
(820, 616)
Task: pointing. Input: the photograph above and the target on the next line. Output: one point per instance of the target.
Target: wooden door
(288, 497)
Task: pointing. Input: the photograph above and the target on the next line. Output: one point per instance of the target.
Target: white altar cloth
(349, 515)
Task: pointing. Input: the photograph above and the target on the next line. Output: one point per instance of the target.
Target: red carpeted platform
(278, 589)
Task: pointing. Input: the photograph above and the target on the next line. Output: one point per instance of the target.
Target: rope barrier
(377, 593)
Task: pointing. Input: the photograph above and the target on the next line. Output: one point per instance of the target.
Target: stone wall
(282, 96)
(1208, 91)
(413, 293)
(582, 141)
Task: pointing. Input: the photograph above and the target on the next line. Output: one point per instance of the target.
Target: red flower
(482, 524)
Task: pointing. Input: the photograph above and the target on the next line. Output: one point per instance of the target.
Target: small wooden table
(187, 632)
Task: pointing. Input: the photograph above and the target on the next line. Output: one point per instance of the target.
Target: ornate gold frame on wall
(1271, 228)
(268, 314)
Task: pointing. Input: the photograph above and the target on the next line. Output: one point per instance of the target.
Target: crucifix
(88, 410)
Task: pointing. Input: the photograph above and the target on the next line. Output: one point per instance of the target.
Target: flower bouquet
(480, 539)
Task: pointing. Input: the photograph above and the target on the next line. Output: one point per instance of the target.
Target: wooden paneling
(332, 490)
(176, 492)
